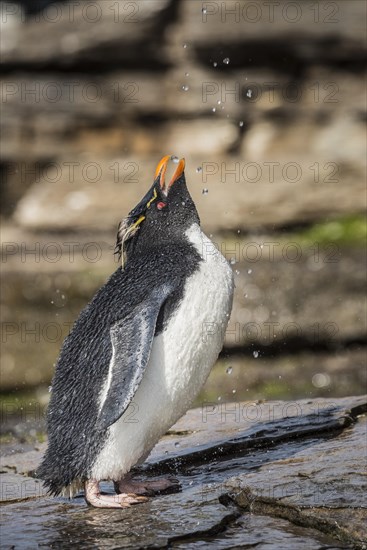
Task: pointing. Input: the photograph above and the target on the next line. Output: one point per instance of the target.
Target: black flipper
(132, 339)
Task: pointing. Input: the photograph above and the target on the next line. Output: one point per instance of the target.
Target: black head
(163, 215)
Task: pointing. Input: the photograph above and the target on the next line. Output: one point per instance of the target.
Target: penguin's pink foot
(94, 497)
(127, 485)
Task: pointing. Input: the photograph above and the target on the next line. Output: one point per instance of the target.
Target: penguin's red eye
(161, 205)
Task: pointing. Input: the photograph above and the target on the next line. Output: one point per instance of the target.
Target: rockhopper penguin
(140, 351)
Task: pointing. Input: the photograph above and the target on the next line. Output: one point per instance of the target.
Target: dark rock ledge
(253, 475)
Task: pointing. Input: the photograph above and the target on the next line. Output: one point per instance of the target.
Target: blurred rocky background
(265, 100)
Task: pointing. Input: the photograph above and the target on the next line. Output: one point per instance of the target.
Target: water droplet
(50, 389)
(280, 377)
(52, 302)
(233, 391)
(229, 370)
(240, 123)
(185, 88)
(219, 102)
(205, 191)
(249, 93)
(255, 354)
(187, 74)
(238, 231)
(249, 271)
(174, 159)
(237, 272)
(215, 64)
(198, 169)
(226, 60)
(214, 109)
(203, 10)
(320, 380)
(245, 295)
(232, 261)
(177, 444)
(184, 45)
(219, 398)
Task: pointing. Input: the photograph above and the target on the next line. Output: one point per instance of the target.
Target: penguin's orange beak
(162, 169)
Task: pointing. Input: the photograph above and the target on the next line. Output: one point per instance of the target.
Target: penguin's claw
(94, 497)
(150, 488)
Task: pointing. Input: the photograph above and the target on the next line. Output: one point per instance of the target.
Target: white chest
(200, 321)
(181, 359)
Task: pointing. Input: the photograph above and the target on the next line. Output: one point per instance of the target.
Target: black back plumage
(157, 254)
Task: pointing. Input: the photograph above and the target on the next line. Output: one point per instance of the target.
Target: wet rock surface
(310, 488)
(253, 475)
